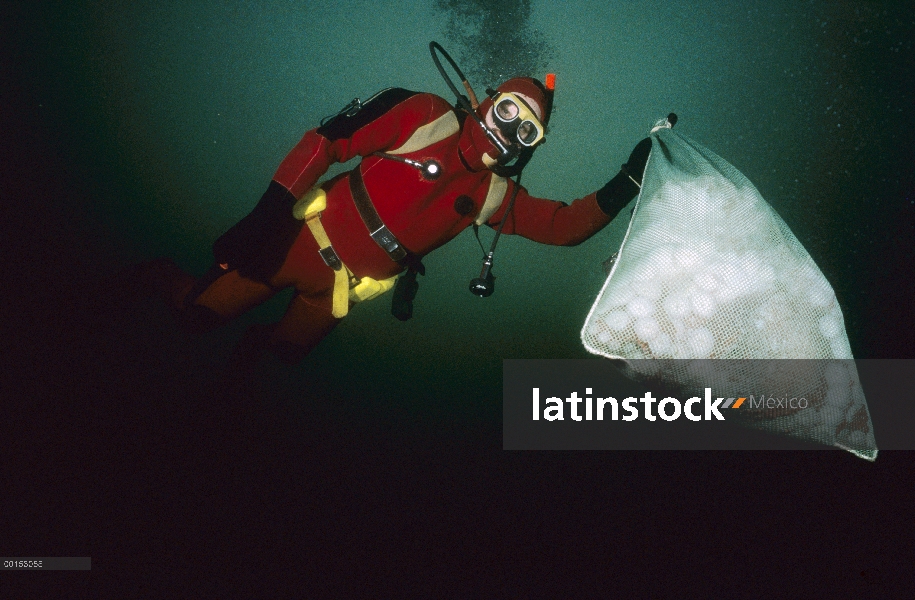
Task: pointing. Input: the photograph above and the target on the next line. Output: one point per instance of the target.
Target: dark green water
(148, 128)
(168, 120)
(172, 118)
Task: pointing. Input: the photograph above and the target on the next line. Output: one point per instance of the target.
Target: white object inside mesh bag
(708, 270)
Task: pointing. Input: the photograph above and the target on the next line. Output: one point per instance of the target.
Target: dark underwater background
(143, 129)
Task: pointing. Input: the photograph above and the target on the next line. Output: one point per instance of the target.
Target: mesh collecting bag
(708, 270)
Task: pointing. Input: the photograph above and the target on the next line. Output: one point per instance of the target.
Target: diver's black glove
(620, 190)
(635, 166)
(404, 292)
(257, 245)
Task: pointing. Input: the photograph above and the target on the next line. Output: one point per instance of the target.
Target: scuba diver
(428, 171)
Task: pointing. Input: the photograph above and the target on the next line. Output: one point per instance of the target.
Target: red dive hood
(477, 150)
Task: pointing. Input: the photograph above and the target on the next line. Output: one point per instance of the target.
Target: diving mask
(516, 120)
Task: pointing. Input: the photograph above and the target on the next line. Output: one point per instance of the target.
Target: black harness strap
(377, 229)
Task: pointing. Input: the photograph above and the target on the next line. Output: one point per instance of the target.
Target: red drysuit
(422, 213)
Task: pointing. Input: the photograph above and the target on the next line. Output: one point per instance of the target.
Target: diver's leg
(308, 318)
(307, 321)
(199, 305)
(223, 297)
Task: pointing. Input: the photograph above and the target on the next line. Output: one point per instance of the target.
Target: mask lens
(507, 110)
(516, 121)
(527, 132)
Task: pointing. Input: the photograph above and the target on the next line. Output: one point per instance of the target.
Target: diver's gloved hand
(404, 292)
(620, 190)
(635, 166)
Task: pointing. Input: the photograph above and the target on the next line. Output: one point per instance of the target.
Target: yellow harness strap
(341, 276)
(347, 287)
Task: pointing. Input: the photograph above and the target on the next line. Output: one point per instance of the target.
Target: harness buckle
(330, 258)
(384, 238)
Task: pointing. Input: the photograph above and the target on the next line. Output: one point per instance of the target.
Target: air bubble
(820, 295)
(677, 305)
(660, 344)
(830, 326)
(700, 342)
(703, 304)
(840, 348)
(617, 320)
(687, 258)
(646, 328)
(640, 307)
(706, 281)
